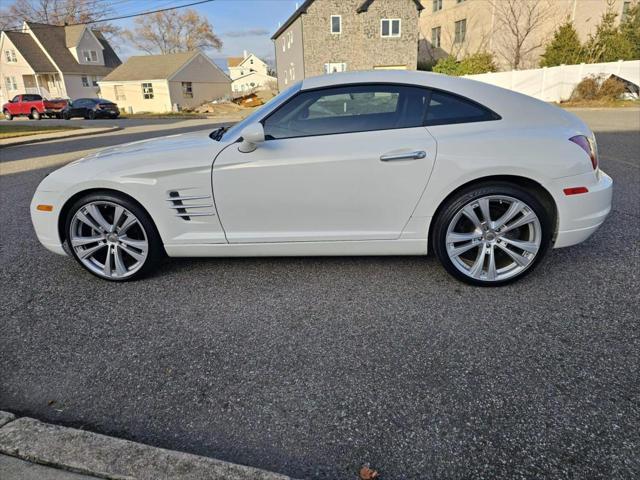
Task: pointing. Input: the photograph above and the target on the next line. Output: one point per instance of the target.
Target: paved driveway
(312, 366)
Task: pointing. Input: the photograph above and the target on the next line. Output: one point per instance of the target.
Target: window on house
(94, 81)
(390, 27)
(90, 55)
(437, 5)
(11, 83)
(336, 24)
(11, 56)
(85, 81)
(350, 109)
(335, 67)
(251, 61)
(187, 89)
(460, 1)
(147, 91)
(445, 109)
(118, 90)
(435, 37)
(461, 30)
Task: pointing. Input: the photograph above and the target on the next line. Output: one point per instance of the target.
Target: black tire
(65, 116)
(156, 248)
(448, 211)
(7, 115)
(91, 115)
(35, 114)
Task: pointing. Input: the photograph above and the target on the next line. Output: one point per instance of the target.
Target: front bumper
(579, 216)
(46, 223)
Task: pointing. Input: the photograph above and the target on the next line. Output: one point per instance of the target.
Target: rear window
(445, 108)
(31, 98)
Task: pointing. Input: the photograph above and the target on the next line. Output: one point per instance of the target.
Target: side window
(356, 108)
(445, 109)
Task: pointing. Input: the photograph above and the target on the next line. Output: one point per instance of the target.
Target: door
(77, 108)
(346, 163)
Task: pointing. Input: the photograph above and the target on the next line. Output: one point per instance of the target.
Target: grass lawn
(11, 130)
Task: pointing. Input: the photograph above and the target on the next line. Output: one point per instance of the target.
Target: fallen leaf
(367, 473)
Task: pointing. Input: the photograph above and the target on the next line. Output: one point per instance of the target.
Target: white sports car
(363, 163)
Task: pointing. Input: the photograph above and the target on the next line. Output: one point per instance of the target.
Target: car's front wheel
(492, 234)
(112, 237)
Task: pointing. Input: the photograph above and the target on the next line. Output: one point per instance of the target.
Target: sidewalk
(43, 137)
(30, 449)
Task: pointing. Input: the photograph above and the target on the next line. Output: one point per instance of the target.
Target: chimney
(245, 54)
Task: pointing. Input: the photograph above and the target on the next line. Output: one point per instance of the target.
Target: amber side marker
(44, 208)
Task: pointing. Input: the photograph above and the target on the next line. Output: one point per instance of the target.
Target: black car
(91, 108)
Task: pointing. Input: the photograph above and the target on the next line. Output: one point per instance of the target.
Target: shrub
(611, 89)
(587, 89)
(469, 65)
(594, 88)
(447, 65)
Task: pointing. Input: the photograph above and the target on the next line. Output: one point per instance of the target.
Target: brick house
(326, 36)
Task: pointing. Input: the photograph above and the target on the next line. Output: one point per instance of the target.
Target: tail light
(588, 146)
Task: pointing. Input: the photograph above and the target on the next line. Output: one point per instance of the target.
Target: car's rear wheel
(91, 115)
(492, 234)
(7, 115)
(112, 237)
(35, 114)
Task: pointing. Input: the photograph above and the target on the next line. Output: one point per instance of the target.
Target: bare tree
(57, 12)
(172, 31)
(518, 28)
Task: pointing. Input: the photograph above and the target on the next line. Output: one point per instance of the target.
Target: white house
(54, 61)
(248, 74)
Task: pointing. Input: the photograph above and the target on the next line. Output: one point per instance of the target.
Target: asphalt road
(313, 366)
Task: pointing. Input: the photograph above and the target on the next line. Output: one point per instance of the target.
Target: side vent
(187, 206)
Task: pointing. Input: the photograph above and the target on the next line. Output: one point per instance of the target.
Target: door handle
(404, 156)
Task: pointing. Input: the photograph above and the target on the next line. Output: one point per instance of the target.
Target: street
(312, 367)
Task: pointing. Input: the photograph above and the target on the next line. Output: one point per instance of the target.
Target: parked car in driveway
(360, 163)
(33, 106)
(91, 108)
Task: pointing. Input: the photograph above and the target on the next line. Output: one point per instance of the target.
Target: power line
(121, 17)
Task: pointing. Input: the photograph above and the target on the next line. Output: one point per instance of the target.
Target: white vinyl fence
(555, 84)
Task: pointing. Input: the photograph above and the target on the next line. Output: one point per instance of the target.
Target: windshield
(275, 102)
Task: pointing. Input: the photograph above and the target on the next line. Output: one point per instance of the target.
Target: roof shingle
(32, 53)
(150, 67)
(53, 39)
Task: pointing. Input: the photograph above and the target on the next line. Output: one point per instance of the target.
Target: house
(248, 73)
(54, 61)
(164, 83)
(326, 36)
(463, 27)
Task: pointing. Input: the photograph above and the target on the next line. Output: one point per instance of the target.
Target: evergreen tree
(608, 44)
(630, 29)
(565, 47)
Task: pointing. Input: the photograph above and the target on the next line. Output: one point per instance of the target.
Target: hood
(143, 161)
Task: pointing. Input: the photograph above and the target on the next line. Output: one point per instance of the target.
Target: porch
(48, 85)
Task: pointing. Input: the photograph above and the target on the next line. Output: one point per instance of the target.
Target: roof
(150, 67)
(53, 39)
(32, 53)
(234, 61)
(364, 6)
(73, 34)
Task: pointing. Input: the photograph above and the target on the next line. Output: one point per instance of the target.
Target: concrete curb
(44, 137)
(112, 458)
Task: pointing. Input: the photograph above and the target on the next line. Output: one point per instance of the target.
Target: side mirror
(252, 135)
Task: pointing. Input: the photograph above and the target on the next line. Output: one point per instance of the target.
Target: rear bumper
(580, 215)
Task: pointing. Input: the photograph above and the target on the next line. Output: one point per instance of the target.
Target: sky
(241, 24)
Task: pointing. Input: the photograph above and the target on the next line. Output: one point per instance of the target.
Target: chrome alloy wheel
(493, 238)
(108, 239)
